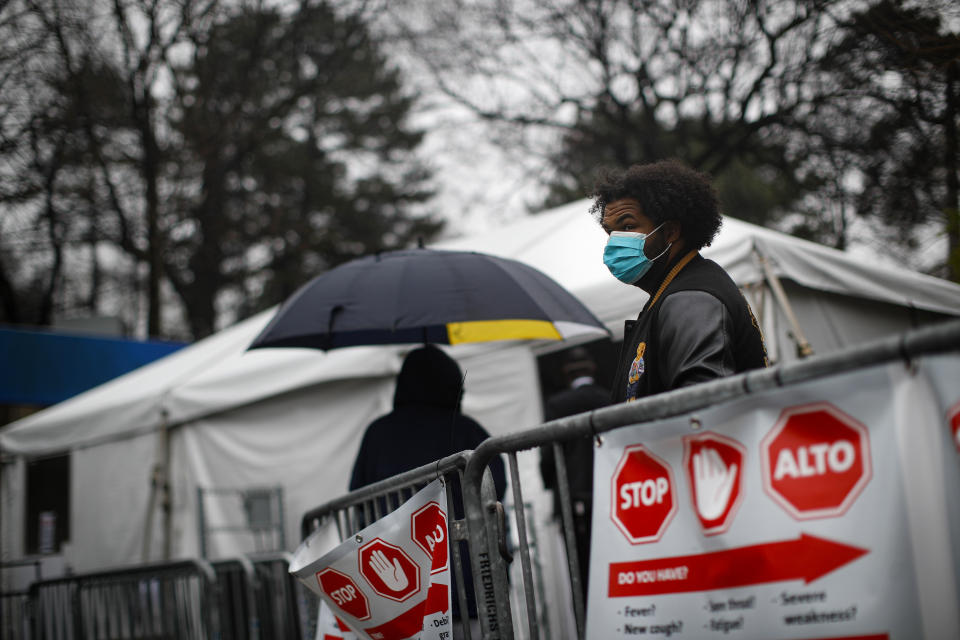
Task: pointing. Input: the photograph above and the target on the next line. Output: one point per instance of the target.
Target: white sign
(391, 581)
(827, 509)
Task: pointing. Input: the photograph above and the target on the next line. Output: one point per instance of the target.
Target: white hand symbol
(714, 483)
(392, 575)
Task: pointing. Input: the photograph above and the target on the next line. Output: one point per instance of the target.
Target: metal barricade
(497, 624)
(14, 605)
(236, 599)
(172, 600)
(244, 598)
(357, 509)
(281, 601)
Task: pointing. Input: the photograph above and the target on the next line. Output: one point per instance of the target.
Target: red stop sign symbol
(816, 461)
(643, 502)
(344, 592)
(428, 528)
(954, 419)
(714, 467)
(389, 570)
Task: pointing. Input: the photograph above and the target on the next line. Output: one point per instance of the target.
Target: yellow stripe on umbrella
(488, 330)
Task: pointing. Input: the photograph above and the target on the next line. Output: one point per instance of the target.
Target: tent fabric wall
(109, 498)
(831, 321)
(12, 502)
(309, 454)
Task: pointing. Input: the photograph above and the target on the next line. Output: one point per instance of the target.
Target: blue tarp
(44, 368)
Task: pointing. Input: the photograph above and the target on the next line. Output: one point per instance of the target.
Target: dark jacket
(424, 426)
(579, 453)
(700, 328)
(578, 458)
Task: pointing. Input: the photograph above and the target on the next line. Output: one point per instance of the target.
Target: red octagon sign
(643, 502)
(816, 461)
(428, 526)
(344, 592)
(389, 570)
(714, 465)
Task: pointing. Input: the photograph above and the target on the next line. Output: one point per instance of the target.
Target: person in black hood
(425, 425)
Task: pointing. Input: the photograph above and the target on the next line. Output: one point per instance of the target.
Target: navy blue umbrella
(427, 295)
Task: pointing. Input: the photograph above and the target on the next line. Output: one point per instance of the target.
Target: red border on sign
(741, 485)
(446, 533)
(613, 489)
(953, 415)
(389, 595)
(353, 582)
(854, 492)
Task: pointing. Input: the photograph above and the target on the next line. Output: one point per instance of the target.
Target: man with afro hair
(696, 325)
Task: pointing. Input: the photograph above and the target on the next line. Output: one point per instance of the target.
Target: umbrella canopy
(426, 295)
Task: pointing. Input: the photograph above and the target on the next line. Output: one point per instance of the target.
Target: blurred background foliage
(182, 164)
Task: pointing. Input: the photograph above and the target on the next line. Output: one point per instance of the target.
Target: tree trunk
(952, 204)
(9, 297)
(150, 168)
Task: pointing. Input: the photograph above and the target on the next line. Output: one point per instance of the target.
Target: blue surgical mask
(624, 255)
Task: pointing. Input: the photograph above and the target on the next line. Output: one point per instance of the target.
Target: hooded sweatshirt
(425, 426)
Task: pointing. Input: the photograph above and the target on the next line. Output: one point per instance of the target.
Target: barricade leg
(484, 526)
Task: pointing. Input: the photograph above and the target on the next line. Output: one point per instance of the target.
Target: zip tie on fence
(776, 376)
(593, 429)
(905, 353)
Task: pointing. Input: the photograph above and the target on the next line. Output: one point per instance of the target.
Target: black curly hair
(666, 190)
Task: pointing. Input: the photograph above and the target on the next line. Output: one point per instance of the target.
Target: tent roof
(217, 374)
(210, 376)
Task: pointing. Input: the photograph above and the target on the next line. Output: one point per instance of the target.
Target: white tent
(292, 418)
(837, 299)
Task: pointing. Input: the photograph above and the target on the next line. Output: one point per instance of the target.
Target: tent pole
(166, 502)
(151, 507)
(803, 347)
(159, 485)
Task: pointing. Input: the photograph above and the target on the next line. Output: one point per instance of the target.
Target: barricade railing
(14, 615)
(359, 508)
(245, 598)
(258, 598)
(236, 598)
(14, 605)
(281, 601)
(497, 623)
(169, 600)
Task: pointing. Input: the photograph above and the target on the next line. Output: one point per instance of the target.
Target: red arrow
(808, 558)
